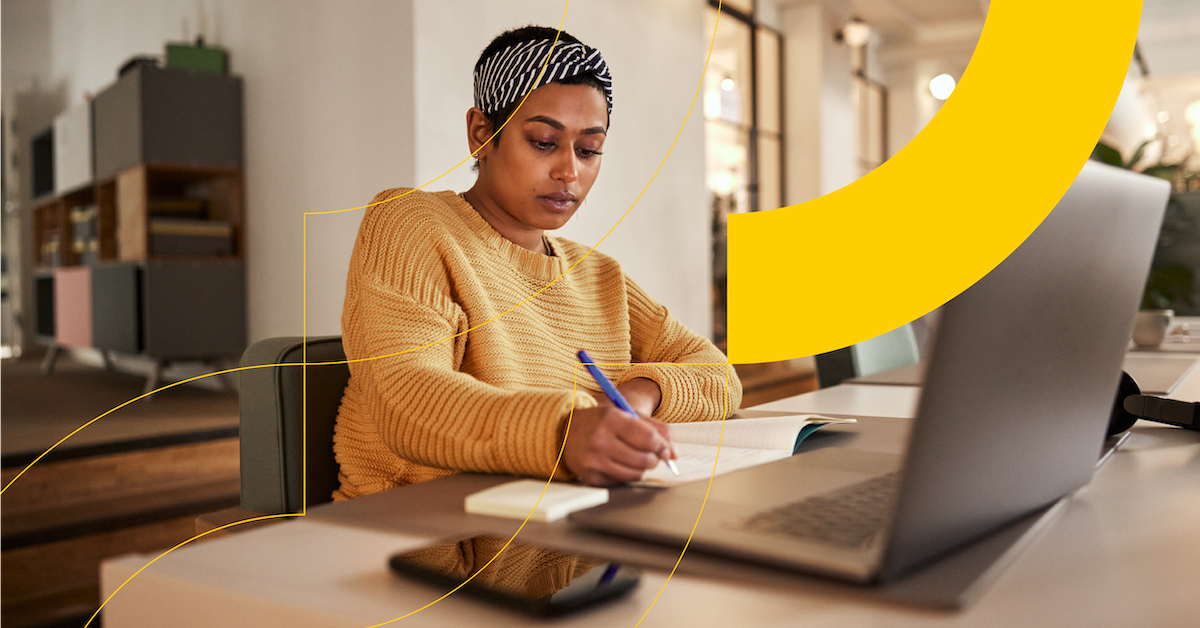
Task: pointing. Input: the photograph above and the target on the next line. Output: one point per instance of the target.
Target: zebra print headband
(505, 77)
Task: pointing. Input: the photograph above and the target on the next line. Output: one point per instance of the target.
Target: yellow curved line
(703, 503)
(952, 204)
(135, 399)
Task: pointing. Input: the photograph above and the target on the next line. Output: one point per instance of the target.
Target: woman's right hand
(606, 446)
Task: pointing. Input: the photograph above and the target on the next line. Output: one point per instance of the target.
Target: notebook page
(777, 432)
(695, 462)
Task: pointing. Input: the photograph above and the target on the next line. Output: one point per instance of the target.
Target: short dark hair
(524, 34)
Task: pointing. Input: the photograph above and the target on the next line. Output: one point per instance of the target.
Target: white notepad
(515, 499)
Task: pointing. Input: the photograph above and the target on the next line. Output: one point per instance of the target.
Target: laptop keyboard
(851, 517)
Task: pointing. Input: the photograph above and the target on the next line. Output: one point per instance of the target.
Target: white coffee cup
(1150, 327)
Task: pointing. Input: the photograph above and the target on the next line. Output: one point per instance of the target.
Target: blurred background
(159, 157)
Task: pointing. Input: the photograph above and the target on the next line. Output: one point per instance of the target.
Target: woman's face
(547, 159)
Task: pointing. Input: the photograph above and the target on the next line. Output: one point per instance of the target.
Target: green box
(196, 58)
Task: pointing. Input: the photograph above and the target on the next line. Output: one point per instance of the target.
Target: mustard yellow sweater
(427, 268)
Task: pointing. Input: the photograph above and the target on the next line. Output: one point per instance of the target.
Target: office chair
(272, 420)
(894, 349)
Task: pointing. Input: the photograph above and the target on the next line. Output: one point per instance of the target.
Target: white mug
(1150, 327)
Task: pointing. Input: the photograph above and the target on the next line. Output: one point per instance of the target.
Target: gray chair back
(272, 409)
(893, 349)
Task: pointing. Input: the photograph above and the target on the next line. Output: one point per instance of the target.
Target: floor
(38, 410)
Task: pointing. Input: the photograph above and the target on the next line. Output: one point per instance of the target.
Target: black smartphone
(532, 579)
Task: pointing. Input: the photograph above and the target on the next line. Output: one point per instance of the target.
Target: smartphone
(532, 579)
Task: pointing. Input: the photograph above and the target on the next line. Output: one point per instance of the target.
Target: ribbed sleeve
(706, 390)
(454, 367)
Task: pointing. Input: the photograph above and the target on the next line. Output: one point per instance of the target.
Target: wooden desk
(1123, 552)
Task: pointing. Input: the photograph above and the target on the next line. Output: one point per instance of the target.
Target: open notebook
(746, 442)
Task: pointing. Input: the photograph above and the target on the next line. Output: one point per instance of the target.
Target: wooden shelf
(106, 225)
(219, 189)
(53, 234)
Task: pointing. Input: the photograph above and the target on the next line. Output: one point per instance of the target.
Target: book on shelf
(185, 236)
(194, 209)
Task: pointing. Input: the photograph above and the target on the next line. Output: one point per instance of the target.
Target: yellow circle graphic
(951, 205)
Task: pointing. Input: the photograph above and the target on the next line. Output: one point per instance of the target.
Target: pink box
(73, 306)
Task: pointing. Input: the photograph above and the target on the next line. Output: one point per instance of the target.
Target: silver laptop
(1012, 417)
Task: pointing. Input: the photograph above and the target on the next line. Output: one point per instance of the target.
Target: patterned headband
(506, 76)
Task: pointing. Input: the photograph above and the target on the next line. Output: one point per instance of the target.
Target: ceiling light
(1192, 113)
(727, 85)
(722, 183)
(855, 33)
(941, 86)
(1163, 116)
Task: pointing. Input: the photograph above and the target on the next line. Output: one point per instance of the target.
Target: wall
(346, 99)
(820, 120)
(906, 68)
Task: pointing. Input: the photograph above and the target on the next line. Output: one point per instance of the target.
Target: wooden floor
(775, 380)
(38, 410)
(135, 481)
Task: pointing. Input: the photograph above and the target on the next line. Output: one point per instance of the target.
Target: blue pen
(614, 395)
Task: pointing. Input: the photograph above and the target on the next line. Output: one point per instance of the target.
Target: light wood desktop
(1156, 372)
(1123, 551)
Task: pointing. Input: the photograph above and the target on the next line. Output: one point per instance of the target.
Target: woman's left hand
(643, 394)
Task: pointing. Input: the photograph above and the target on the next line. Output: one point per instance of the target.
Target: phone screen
(534, 579)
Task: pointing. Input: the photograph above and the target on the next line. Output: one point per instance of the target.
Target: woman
(463, 390)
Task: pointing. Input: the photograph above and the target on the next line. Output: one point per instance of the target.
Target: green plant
(1169, 285)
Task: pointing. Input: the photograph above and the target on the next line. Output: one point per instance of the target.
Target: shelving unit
(147, 259)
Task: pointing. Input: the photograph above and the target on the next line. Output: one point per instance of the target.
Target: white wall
(820, 123)
(344, 99)
(656, 52)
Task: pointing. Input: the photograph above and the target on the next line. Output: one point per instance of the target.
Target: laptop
(1020, 384)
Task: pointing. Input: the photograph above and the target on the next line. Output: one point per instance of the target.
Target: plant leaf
(1162, 171)
(1104, 153)
(1137, 155)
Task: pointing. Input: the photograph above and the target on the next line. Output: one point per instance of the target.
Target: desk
(1156, 372)
(1124, 551)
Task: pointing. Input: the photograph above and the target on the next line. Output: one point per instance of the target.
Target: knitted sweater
(466, 386)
